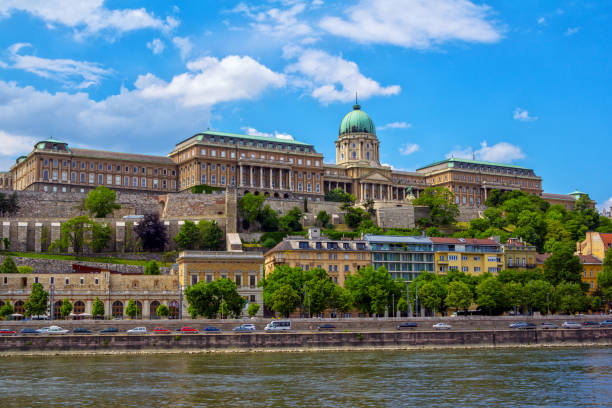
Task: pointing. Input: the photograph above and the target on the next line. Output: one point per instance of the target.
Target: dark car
(525, 326)
(590, 323)
(326, 327)
(109, 330)
(212, 329)
(81, 330)
(606, 323)
(406, 325)
(29, 330)
(516, 325)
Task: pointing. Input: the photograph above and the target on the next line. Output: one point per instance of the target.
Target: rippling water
(448, 378)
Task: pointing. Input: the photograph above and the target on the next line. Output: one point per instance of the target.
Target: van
(278, 325)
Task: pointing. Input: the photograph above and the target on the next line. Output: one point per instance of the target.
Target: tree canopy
(8, 265)
(442, 207)
(101, 201)
(37, 302)
(152, 232)
(205, 298)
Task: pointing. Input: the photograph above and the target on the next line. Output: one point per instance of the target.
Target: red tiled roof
(590, 259)
(540, 258)
(459, 241)
(607, 240)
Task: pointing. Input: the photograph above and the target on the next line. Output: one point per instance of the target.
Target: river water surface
(518, 377)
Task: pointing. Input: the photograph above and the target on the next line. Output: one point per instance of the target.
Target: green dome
(357, 121)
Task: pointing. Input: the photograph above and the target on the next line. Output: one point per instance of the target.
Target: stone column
(146, 309)
(240, 178)
(291, 180)
(38, 237)
(88, 306)
(6, 232)
(120, 236)
(55, 231)
(252, 174)
(22, 236)
(271, 177)
(261, 180)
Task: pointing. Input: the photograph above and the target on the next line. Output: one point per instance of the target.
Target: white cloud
(606, 205)
(523, 115)
(254, 132)
(184, 45)
(415, 23)
(501, 152)
(334, 79)
(88, 17)
(397, 168)
(395, 125)
(542, 21)
(79, 74)
(156, 46)
(572, 31)
(408, 149)
(15, 144)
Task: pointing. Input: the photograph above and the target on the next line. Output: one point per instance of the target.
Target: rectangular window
(194, 279)
(477, 269)
(100, 178)
(203, 178)
(118, 180)
(109, 179)
(91, 178)
(134, 181)
(82, 281)
(64, 176)
(67, 281)
(464, 257)
(238, 279)
(222, 180)
(54, 174)
(155, 183)
(213, 153)
(73, 177)
(213, 179)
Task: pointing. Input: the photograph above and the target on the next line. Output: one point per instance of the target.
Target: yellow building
(519, 254)
(244, 268)
(469, 255)
(338, 258)
(591, 267)
(595, 243)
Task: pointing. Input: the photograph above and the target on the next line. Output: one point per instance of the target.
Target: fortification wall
(400, 217)
(61, 266)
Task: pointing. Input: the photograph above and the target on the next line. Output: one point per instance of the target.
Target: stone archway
(117, 309)
(57, 313)
(153, 310)
(79, 307)
(174, 310)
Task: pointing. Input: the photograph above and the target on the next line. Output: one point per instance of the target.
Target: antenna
(356, 98)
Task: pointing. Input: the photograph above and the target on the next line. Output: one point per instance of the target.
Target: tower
(357, 142)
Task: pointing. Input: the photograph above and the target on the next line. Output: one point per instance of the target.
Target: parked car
(516, 325)
(161, 330)
(406, 325)
(212, 329)
(571, 325)
(138, 330)
(525, 326)
(57, 330)
(7, 332)
(109, 330)
(81, 330)
(278, 325)
(326, 327)
(29, 330)
(590, 323)
(548, 326)
(189, 330)
(244, 328)
(43, 330)
(442, 326)
(606, 323)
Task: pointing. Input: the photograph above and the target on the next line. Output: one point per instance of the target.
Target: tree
(253, 309)
(442, 208)
(100, 236)
(514, 293)
(373, 290)
(285, 300)
(249, 207)
(78, 232)
(205, 298)
(319, 291)
(6, 310)
(37, 302)
(340, 196)
(402, 305)
(569, 298)
(98, 308)
(211, 236)
(459, 295)
(66, 308)
(562, 266)
(490, 295)
(291, 221)
(188, 236)
(101, 201)
(152, 232)
(151, 268)
(25, 269)
(162, 311)
(268, 219)
(8, 265)
(432, 294)
(354, 216)
(539, 294)
(131, 309)
(341, 300)
(595, 304)
(323, 219)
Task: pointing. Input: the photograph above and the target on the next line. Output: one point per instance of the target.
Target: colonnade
(265, 177)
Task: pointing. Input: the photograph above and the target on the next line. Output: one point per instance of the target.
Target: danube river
(517, 377)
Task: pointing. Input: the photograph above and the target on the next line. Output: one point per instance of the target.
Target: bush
(269, 243)
(8, 265)
(25, 269)
(151, 268)
(169, 257)
(253, 309)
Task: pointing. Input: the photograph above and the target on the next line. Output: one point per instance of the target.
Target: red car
(189, 330)
(7, 332)
(161, 330)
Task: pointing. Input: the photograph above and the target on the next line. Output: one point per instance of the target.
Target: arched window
(117, 310)
(79, 307)
(57, 314)
(139, 307)
(174, 310)
(153, 310)
(45, 174)
(18, 307)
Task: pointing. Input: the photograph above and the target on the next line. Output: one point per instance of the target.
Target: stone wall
(41, 265)
(400, 217)
(466, 214)
(183, 206)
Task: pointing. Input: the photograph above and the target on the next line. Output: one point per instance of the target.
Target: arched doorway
(117, 309)
(18, 308)
(153, 310)
(286, 195)
(256, 193)
(139, 307)
(78, 307)
(276, 195)
(57, 312)
(174, 310)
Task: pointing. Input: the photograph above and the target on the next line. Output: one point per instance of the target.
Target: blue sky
(524, 82)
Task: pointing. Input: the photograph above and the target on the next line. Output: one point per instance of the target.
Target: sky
(527, 83)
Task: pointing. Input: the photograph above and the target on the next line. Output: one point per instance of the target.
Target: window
(453, 258)
(118, 180)
(303, 244)
(54, 174)
(96, 281)
(134, 181)
(203, 178)
(100, 178)
(465, 269)
(213, 153)
(477, 269)
(155, 183)
(91, 178)
(82, 280)
(464, 257)
(73, 177)
(213, 179)
(67, 281)
(109, 179)
(238, 279)
(441, 257)
(143, 182)
(45, 174)
(194, 279)
(222, 180)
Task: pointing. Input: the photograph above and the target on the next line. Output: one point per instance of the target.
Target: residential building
(469, 255)
(595, 243)
(591, 267)
(519, 254)
(338, 258)
(404, 257)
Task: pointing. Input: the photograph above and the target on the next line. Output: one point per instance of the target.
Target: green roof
(248, 137)
(576, 192)
(483, 163)
(51, 141)
(357, 121)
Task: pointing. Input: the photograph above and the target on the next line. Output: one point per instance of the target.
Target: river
(519, 377)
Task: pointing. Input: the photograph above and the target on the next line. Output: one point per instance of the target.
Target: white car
(442, 326)
(137, 330)
(43, 330)
(56, 330)
(571, 325)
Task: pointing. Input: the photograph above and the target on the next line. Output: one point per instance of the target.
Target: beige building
(595, 243)
(519, 254)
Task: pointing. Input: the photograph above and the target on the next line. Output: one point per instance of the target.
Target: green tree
(66, 308)
(323, 219)
(291, 221)
(77, 233)
(402, 305)
(539, 294)
(101, 201)
(604, 278)
(25, 269)
(211, 235)
(562, 266)
(98, 308)
(162, 311)
(319, 291)
(131, 310)
(151, 268)
(569, 298)
(459, 295)
(268, 219)
(515, 295)
(442, 207)
(6, 310)
(340, 196)
(595, 304)
(188, 236)
(341, 300)
(223, 310)
(285, 300)
(253, 309)
(37, 302)
(353, 217)
(205, 298)
(100, 236)
(373, 289)
(432, 294)
(490, 295)
(8, 265)
(249, 207)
